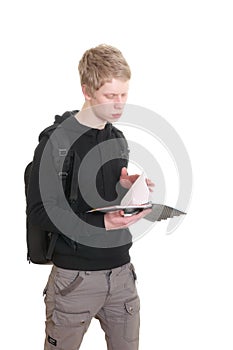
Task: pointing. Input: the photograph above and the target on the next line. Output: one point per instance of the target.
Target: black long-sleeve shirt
(83, 243)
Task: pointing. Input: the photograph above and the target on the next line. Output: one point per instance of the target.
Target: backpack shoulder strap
(73, 196)
(66, 161)
(60, 151)
(123, 143)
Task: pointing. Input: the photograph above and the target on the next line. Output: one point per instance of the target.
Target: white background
(180, 53)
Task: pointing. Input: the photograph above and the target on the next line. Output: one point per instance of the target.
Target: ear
(86, 93)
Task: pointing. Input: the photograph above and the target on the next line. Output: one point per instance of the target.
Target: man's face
(108, 102)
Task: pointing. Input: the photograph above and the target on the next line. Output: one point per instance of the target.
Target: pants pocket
(66, 330)
(132, 319)
(64, 285)
(133, 272)
(65, 319)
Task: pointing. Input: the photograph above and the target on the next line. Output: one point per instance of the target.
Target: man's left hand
(126, 180)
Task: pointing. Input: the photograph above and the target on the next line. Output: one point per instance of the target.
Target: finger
(150, 183)
(125, 183)
(146, 212)
(134, 218)
(143, 213)
(124, 172)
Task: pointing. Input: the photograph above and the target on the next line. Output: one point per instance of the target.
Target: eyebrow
(113, 93)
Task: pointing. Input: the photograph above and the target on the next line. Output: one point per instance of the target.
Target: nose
(118, 106)
(118, 99)
(118, 102)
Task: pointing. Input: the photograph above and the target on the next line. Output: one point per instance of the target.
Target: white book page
(138, 192)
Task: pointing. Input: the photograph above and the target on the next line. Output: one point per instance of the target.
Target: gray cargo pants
(73, 298)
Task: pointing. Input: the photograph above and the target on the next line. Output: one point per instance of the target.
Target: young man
(91, 275)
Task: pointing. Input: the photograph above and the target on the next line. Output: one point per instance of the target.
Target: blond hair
(100, 65)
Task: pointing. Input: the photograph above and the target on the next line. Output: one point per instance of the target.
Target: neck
(87, 117)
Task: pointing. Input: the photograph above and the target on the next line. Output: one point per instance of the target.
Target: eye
(110, 96)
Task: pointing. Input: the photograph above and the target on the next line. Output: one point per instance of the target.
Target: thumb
(124, 172)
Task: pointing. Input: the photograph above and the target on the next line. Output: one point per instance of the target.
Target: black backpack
(40, 243)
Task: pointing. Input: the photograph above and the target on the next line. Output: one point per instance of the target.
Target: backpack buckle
(62, 174)
(62, 152)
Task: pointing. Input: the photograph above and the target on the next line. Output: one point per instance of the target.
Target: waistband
(113, 271)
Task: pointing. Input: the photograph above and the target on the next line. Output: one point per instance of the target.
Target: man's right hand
(116, 220)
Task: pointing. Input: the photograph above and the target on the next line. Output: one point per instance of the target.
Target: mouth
(116, 115)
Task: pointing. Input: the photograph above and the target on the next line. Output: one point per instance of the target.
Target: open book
(138, 198)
